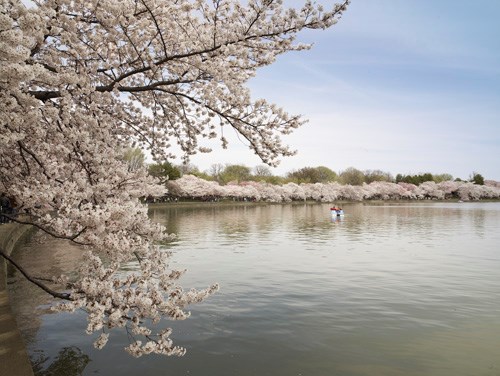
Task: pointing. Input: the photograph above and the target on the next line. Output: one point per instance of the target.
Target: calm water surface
(392, 289)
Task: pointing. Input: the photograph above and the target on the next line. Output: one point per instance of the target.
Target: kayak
(337, 212)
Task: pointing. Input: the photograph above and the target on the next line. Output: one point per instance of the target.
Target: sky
(401, 86)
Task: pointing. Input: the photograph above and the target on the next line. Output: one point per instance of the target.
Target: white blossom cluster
(126, 300)
(193, 187)
(80, 81)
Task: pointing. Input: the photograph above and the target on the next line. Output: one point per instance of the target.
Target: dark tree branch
(157, 27)
(47, 231)
(44, 171)
(45, 95)
(55, 294)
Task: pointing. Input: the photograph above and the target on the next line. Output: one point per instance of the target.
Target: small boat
(337, 211)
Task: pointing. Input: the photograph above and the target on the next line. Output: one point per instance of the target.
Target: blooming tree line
(81, 81)
(193, 187)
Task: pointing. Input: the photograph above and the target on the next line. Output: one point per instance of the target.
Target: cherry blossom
(83, 81)
(193, 187)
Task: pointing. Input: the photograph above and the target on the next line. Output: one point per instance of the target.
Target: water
(390, 289)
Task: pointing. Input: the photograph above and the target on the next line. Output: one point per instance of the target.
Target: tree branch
(45, 95)
(55, 294)
(47, 231)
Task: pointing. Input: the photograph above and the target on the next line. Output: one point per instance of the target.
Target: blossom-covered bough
(83, 80)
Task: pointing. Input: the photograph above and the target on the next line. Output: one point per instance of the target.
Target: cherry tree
(353, 192)
(191, 186)
(195, 187)
(430, 189)
(292, 191)
(241, 191)
(449, 188)
(409, 188)
(82, 81)
(271, 192)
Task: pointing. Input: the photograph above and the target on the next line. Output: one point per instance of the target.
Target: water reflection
(399, 289)
(41, 257)
(70, 361)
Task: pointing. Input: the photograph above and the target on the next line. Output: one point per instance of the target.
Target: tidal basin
(389, 289)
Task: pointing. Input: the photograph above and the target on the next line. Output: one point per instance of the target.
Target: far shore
(193, 203)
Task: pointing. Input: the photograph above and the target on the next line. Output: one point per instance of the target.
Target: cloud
(397, 86)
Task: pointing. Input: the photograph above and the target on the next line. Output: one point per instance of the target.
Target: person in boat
(337, 210)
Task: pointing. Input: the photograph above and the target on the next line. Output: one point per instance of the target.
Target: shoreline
(192, 203)
(14, 359)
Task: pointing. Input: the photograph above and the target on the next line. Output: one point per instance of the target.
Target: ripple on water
(388, 290)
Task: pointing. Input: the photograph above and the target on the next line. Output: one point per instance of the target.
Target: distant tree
(262, 171)
(215, 171)
(438, 178)
(134, 157)
(427, 177)
(377, 175)
(492, 183)
(477, 178)
(320, 174)
(415, 179)
(352, 176)
(304, 175)
(194, 187)
(274, 179)
(188, 169)
(236, 172)
(202, 175)
(164, 171)
(325, 174)
(412, 179)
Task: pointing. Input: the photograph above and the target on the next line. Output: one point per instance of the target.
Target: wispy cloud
(400, 86)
